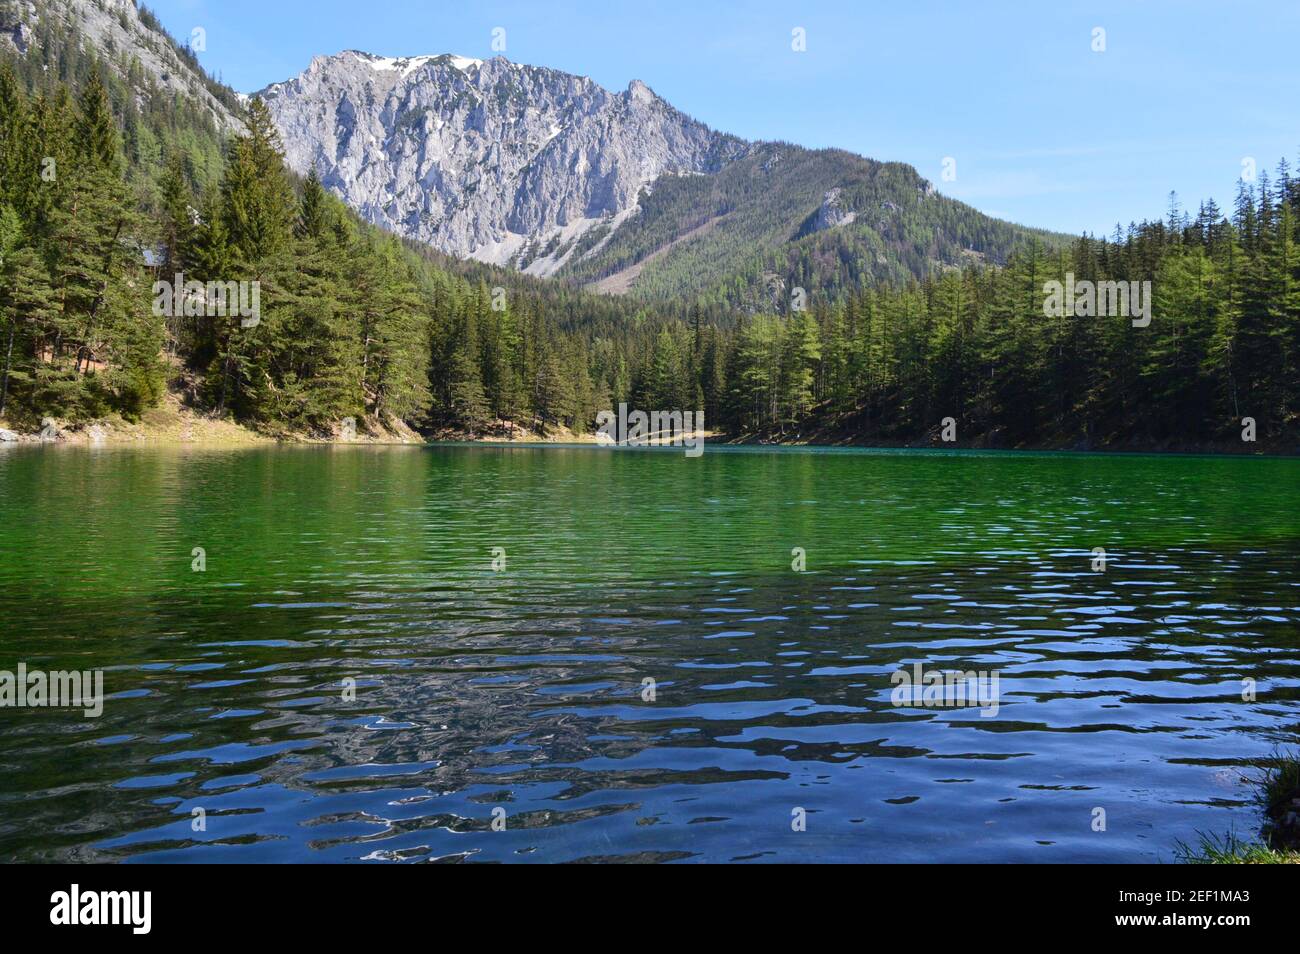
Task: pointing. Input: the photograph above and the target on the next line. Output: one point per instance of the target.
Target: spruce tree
(312, 210)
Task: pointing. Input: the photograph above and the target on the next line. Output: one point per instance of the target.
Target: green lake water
(609, 654)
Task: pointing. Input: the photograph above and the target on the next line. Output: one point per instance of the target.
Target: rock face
(485, 159)
(117, 29)
(14, 25)
(831, 213)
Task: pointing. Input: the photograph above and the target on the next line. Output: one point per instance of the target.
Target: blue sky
(1043, 129)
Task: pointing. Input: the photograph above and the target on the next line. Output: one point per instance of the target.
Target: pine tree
(177, 225)
(666, 379)
(393, 327)
(800, 351)
(312, 210)
(258, 207)
(97, 135)
(26, 305)
(468, 406)
(1175, 393)
(555, 387)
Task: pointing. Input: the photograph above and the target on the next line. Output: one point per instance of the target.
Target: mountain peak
(548, 172)
(640, 92)
(408, 64)
(485, 159)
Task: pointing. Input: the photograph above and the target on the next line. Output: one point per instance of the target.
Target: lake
(514, 653)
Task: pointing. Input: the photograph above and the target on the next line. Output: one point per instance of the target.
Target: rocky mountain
(550, 173)
(535, 169)
(485, 159)
(130, 41)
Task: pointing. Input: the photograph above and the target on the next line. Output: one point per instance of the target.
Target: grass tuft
(1279, 844)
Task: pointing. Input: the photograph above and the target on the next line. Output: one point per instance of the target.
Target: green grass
(1279, 843)
(1231, 850)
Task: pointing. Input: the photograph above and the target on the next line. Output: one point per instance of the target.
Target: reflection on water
(645, 678)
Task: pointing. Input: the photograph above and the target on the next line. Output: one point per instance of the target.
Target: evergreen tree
(312, 215)
(468, 406)
(257, 208)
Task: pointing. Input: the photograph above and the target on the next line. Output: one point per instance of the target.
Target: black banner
(144, 903)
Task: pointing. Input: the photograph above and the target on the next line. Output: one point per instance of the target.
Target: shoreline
(217, 432)
(1277, 784)
(171, 423)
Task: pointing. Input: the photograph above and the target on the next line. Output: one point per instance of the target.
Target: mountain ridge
(486, 159)
(549, 173)
(120, 29)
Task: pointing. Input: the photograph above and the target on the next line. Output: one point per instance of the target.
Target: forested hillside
(351, 324)
(784, 217)
(109, 184)
(354, 322)
(188, 115)
(977, 346)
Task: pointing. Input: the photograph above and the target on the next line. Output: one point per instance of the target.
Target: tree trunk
(4, 383)
(94, 306)
(225, 377)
